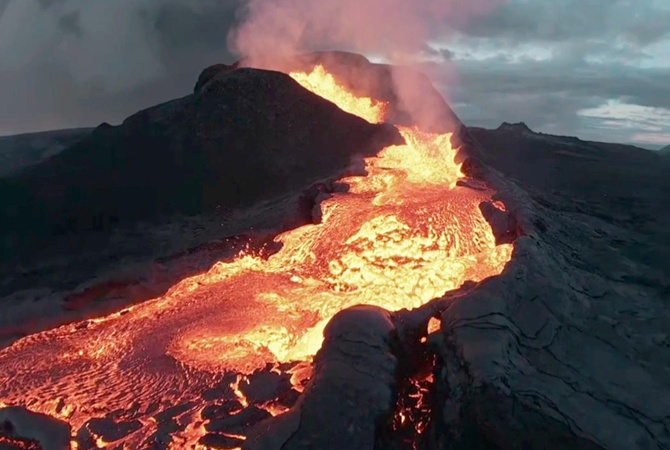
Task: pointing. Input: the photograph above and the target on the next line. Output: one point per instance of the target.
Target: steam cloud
(396, 30)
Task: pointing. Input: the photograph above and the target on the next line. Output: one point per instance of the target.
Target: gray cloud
(49, 3)
(549, 96)
(641, 22)
(68, 63)
(545, 63)
(70, 24)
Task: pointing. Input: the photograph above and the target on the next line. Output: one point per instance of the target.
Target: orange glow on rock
(403, 235)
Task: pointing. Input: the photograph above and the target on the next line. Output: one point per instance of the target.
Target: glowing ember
(403, 235)
(434, 325)
(413, 408)
(19, 444)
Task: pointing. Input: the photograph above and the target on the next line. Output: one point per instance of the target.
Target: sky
(596, 69)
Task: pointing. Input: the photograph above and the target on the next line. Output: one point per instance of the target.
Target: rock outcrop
(353, 380)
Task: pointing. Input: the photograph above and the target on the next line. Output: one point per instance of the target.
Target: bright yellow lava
(324, 84)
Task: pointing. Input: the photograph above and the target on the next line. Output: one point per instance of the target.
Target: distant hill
(621, 182)
(22, 150)
(665, 151)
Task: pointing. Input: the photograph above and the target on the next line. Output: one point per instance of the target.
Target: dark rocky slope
(243, 136)
(623, 187)
(569, 348)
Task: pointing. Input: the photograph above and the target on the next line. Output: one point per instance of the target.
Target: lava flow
(400, 236)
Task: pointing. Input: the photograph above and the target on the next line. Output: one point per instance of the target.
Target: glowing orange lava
(324, 84)
(403, 235)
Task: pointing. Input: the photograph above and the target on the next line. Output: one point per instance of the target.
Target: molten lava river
(157, 372)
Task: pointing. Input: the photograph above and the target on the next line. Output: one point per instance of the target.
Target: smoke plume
(398, 31)
(394, 29)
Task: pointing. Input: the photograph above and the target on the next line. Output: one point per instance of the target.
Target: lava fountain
(396, 238)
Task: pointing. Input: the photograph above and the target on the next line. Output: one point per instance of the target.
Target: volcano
(381, 278)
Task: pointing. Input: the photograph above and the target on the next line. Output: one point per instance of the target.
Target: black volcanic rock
(621, 184)
(209, 73)
(350, 390)
(31, 427)
(246, 135)
(568, 347)
(108, 429)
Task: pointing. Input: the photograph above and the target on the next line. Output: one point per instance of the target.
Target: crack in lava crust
(401, 236)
